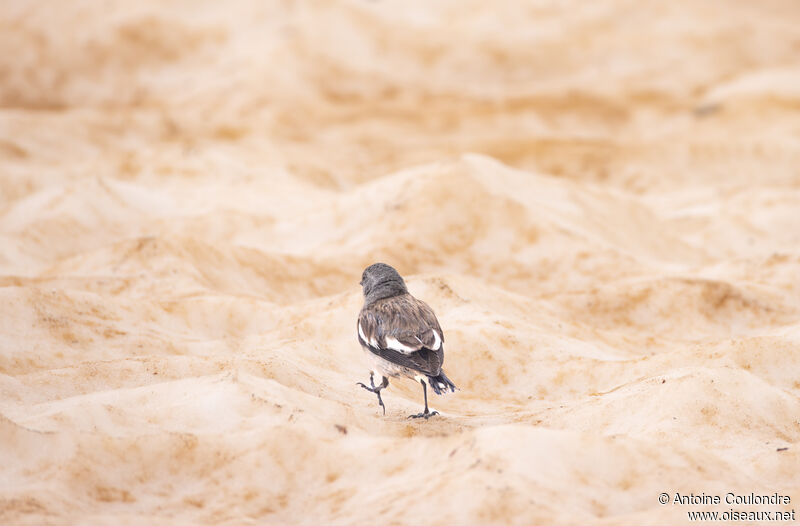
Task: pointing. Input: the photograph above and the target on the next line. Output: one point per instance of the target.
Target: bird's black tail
(441, 383)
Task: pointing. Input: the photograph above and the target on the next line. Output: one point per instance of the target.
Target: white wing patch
(371, 341)
(393, 344)
(437, 340)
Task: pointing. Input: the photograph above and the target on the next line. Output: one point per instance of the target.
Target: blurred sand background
(600, 200)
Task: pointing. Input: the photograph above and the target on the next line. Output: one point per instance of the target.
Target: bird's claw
(376, 390)
(426, 414)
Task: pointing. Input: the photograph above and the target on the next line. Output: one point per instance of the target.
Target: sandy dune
(601, 201)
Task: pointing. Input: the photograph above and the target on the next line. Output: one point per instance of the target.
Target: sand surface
(600, 200)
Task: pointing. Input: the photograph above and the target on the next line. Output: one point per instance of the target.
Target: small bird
(400, 335)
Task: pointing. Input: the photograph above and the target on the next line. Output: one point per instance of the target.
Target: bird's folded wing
(424, 361)
(404, 331)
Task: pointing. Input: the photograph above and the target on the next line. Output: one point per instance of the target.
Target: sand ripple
(599, 201)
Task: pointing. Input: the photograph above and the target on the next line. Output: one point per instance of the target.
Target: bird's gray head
(380, 281)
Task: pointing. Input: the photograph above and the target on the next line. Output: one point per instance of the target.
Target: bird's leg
(376, 389)
(427, 413)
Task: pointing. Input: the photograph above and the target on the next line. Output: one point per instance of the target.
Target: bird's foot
(371, 388)
(376, 390)
(425, 414)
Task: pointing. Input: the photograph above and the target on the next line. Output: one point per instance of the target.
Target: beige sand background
(601, 201)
